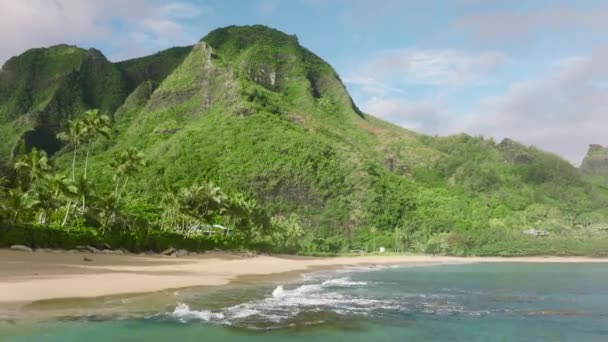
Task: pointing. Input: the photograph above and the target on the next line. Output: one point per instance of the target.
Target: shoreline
(40, 276)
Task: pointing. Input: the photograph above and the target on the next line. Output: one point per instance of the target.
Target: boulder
(169, 251)
(181, 253)
(92, 249)
(112, 251)
(21, 248)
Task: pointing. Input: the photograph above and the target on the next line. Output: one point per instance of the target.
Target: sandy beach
(28, 277)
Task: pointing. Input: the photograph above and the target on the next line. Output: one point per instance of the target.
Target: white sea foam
(322, 294)
(183, 313)
(285, 303)
(342, 282)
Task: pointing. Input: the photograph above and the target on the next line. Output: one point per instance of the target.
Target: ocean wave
(315, 299)
(284, 304)
(342, 282)
(183, 313)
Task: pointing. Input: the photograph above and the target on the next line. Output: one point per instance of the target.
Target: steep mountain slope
(43, 88)
(253, 111)
(596, 161)
(594, 167)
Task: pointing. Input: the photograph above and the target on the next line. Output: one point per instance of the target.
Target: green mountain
(595, 161)
(43, 88)
(253, 111)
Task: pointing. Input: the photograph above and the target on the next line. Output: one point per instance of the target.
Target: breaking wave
(314, 301)
(284, 304)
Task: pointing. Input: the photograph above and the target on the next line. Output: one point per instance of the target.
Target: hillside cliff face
(595, 161)
(252, 110)
(43, 88)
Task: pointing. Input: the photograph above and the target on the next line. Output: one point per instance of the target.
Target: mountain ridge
(250, 109)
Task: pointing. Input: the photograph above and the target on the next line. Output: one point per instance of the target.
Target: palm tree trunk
(86, 160)
(67, 213)
(116, 188)
(122, 189)
(14, 218)
(74, 165)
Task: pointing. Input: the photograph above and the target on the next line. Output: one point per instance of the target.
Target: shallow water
(474, 302)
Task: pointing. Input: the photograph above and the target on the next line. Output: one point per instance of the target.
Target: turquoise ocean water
(473, 302)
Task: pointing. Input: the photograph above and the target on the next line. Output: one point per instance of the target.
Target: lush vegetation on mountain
(249, 130)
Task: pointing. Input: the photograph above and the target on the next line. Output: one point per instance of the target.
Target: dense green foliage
(136, 241)
(43, 88)
(154, 67)
(299, 167)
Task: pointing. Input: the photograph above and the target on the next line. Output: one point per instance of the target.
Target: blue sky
(536, 71)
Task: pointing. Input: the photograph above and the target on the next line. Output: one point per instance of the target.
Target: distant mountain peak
(596, 160)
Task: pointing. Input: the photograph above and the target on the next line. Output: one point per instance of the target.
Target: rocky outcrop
(21, 248)
(514, 152)
(596, 161)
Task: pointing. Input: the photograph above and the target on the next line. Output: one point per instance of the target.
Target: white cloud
(429, 67)
(147, 25)
(427, 116)
(563, 112)
(509, 25)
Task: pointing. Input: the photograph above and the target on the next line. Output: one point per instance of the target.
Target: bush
(57, 237)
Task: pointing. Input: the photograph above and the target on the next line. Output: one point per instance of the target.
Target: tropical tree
(248, 216)
(169, 205)
(52, 192)
(401, 239)
(288, 231)
(126, 163)
(84, 191)
(3, 183)
(3, 195)
(18, 204)
(106, 211)
(32, 166)
(95, 124)
(74, 135)
(202, 202)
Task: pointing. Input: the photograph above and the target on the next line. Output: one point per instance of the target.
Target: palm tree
(169, 205)
(33, 165)
(95, 124)
(248, 216)
(294, 231)
(3, 195)
(373, 230)
(106, 211)
(17, 204)
(84, 190)
(54, 189)
(202, 202)
(401, 239)
(3, 182)
(127, 163)
(74, 135)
